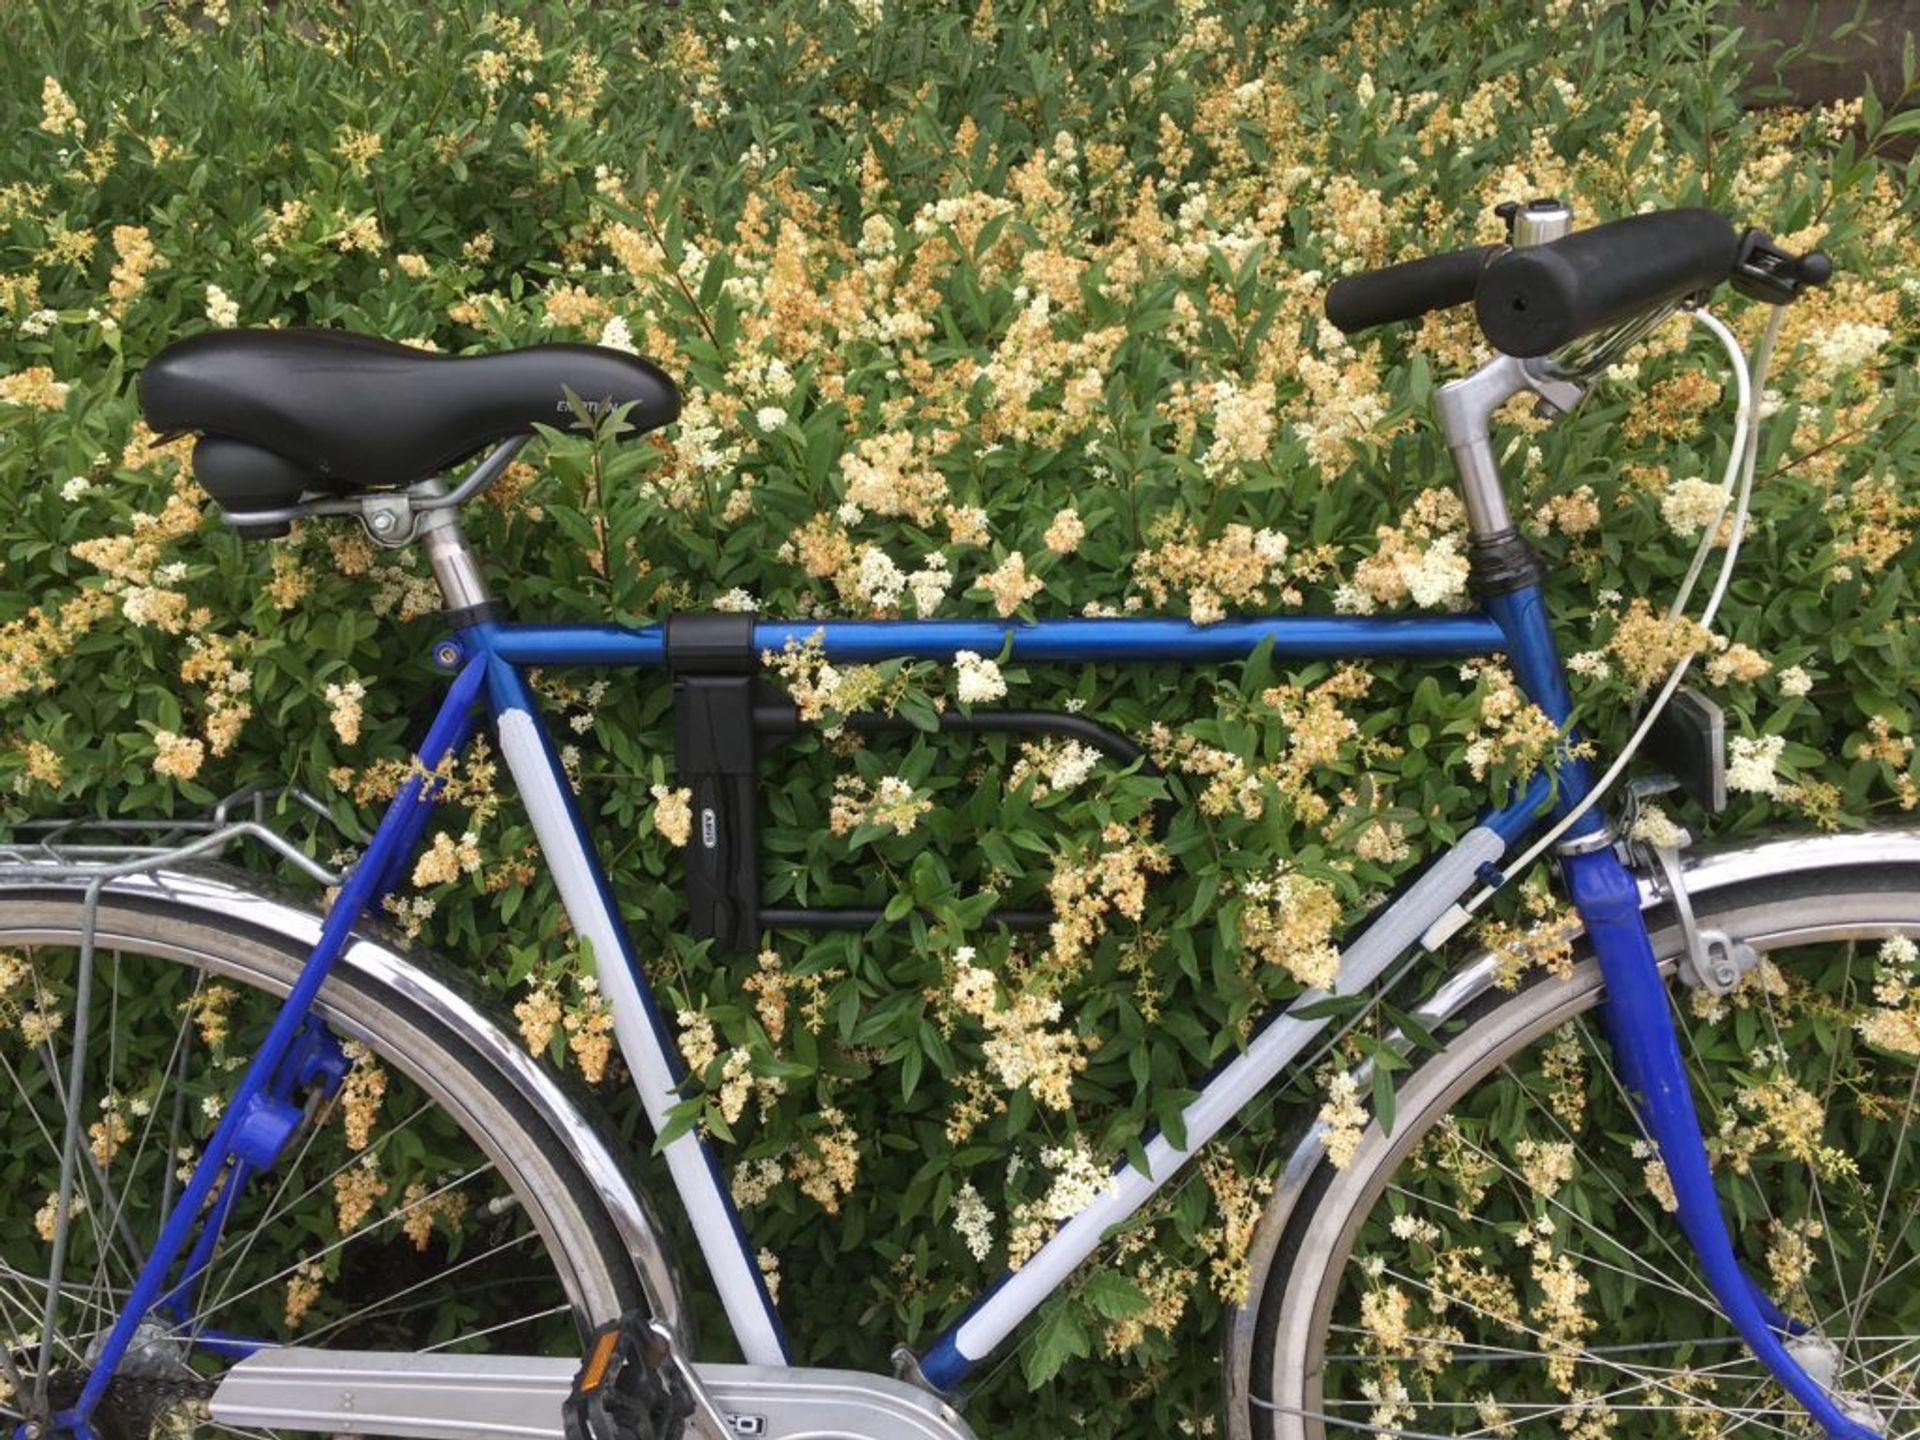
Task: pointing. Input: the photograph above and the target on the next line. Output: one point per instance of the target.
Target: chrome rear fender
(239, 899)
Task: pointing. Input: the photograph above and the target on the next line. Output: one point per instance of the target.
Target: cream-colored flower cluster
(33, 388)
(1894, 1022)
(1288, 920)
(1241, 1200)
(1509, 730)
(446, 859)
(1244, 567)
(1025, 1046)
(1053, 766)
(826, 1166)
(1419, 560)
(1090, 888)
(1078, 1178)
(827, 692)
(890, 803)
(1343, 1119)
(673, 814)
(1541, 938)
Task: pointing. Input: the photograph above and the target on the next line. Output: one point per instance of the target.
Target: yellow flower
(134, 247)
(1010, 585)
(57, 113)
(343, 710)
(176, 757)
(357, 148)
(1065, 533)
(33, 388)
(673, 814)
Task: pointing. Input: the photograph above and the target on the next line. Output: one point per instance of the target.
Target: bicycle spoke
(1871, 1260)
(1645, 1275)
(69, 1154)
(1813, 1168)
(387, 1301)
(1580, 1354)
(448, 1239)
(1554, 1203)
(275, 1211)
(176, 1057)
(193, 1324)
(495, 1329)
(1655, 1229)
(1550, 1285)
(26, 1307)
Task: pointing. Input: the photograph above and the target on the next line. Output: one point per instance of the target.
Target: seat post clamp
(388, 519)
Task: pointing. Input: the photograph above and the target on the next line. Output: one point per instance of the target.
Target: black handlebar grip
(1541, 297)
(1406, 291)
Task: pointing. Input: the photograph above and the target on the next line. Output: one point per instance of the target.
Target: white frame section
(552, 809)
(1275, 1047)
(1016, 1295)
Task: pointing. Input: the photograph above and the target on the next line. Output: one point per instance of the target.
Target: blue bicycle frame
(488, 659)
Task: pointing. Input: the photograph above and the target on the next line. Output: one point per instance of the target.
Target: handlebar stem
(1465, 407)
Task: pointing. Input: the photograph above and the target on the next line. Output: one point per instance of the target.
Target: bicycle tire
(516, 1155)
(1289, 1396)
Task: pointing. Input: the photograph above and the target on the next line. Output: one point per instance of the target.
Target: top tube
(1136, 639)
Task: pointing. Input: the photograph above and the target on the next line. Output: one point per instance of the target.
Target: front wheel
(425, 1206)
(1502, 1263)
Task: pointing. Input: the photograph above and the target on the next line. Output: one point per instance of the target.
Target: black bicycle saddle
(286, 411)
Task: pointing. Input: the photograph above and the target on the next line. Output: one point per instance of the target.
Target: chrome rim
(406, 1212)
(1583, 1312)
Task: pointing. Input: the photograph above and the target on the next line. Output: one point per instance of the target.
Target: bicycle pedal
(628, 1387)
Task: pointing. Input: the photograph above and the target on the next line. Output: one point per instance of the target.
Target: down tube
(1017, 1294)
(555, 815)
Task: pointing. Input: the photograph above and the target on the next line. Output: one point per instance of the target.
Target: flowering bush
(990, 311)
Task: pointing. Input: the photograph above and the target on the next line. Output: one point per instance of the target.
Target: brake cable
(1736, 488)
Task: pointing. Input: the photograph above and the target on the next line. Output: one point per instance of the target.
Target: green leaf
(1060, 1337)
(1383, 1097)
(1167, 1108)
(1907, 122)
(1112, 1295)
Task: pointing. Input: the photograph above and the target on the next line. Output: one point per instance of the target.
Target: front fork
(1646, 1051)
(1635, 1010)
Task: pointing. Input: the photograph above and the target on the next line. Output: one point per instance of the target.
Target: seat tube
(456, 568)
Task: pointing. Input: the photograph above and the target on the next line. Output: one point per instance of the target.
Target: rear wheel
(426, 1206)
(1502, 1263)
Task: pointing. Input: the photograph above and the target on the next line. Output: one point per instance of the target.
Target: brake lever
(1763, 271)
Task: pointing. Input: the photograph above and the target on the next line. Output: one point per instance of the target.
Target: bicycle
(298, 425)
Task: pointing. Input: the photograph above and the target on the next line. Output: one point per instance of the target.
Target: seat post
(455, 565)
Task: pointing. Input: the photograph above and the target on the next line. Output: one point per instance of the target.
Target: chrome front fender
(233, 897)
(1707, 870)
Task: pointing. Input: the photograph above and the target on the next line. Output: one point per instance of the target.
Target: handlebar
(1409, 290)
(1536, 299)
